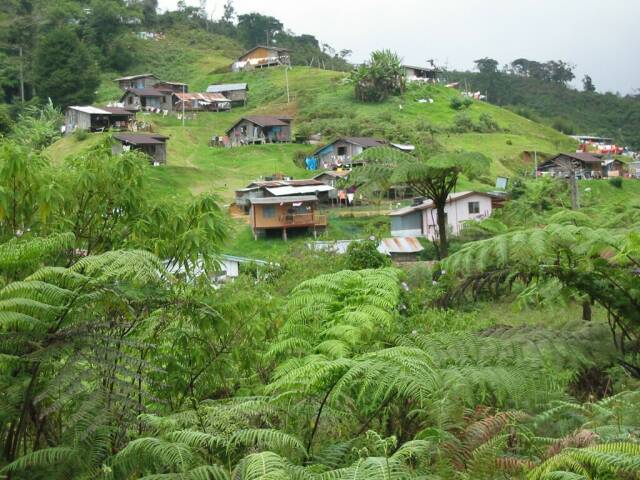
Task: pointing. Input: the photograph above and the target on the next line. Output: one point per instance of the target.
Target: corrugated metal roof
(290, 190)
(90, 109)
(133, 77)
(140, 139)
(279, 200)
(119, 111)
(400, 245)
(206, 97)
(334, 173)
(267, 47)
(226, 87)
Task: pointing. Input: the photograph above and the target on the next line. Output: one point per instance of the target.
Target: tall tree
(486, 65)
(64, 70)
(587, 84)
(256, 29)
(433, 178)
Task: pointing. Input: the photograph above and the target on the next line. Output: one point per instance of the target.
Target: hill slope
(321, 101)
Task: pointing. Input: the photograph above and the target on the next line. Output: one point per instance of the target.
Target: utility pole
(286, 80)
(183, 100)
(535, 160)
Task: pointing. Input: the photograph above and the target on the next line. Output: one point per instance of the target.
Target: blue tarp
(312, 163)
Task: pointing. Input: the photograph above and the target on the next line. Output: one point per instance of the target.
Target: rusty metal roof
(400, 245)
(206, 97)
(279, 200)
(140, 139)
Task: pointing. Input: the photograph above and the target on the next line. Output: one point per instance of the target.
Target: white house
(421, 219)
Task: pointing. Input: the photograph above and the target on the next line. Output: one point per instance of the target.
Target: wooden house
(342, 151)
(421, 218)
(260, 129)
(262, 56)
(237, 93)
(283, 188)
(582, 165)
(154, 145)
(144, 80)
(420, 74)
(200, 102)
(284, 214)
(97, 119)
(148, 99)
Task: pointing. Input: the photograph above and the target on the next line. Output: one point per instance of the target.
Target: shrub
(487, 124)
(463, 123)
(365, 254)
(80, 134)
(563, 125)
(467, 102)
(615, 182)
(456, 103)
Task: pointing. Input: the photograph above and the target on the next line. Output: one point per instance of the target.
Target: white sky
(602, 38)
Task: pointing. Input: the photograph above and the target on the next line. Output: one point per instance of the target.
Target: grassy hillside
(321, 101)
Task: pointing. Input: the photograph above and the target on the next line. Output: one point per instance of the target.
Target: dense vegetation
(119, 359)
(539, 91)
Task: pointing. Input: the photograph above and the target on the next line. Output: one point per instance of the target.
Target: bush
(463, 123)
(80, 134)
(615, 182)
(456, 103)
(563, 125)
(365, 254)
(487, 124)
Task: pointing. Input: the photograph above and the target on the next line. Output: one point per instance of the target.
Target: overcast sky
(602, 38)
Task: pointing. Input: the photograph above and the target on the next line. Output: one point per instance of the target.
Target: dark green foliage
(563, 125)
(65, 72)
(380, 78)
(365, 254)
(615, 182)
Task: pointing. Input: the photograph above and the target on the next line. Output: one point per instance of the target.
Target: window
(342, 151)
(269, 211)
(164, 99)
(130, 100)
(474, 207)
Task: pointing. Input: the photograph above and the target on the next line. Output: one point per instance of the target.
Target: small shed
(154, 145)
(331, 177)
(401, 249)
(258, 129)
(237, 93)
(97, 119)
(143, 80)
(201, 102)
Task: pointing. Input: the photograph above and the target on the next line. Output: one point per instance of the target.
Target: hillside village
(229, 251)
(284, 201)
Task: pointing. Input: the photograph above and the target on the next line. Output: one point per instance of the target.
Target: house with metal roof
(282, 188)
(286, 214)
(153, 145)
(581, 165)
(237, 93)
(420, 74)
(262, 56)
(258, 129)
(342, 151)
(97, 119)
(421, 218)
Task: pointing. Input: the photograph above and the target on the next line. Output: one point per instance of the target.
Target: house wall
(230, 267)
(237, 97)
(258, 220)
(73, 119)
(144, 82)
(131, 100)
(409, 225)
(457, 213)
(158, 153)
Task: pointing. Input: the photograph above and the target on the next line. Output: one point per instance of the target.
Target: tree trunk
(575, 202)
(443, 250)
(586, 310)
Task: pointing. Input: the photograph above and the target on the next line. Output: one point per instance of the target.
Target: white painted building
(421, 219)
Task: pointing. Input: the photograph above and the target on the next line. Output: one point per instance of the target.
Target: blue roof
(226, 87)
